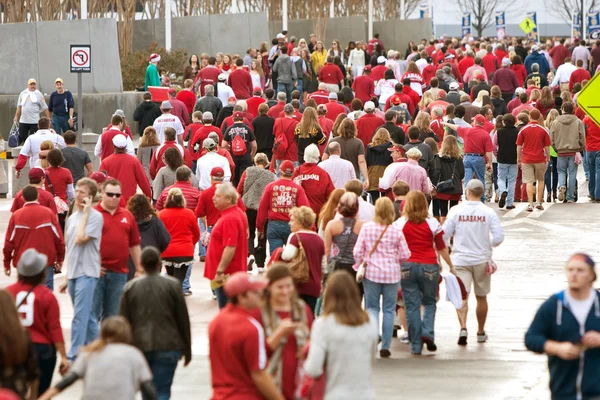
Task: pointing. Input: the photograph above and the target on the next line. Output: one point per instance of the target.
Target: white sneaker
(404, 339)
(482, 337)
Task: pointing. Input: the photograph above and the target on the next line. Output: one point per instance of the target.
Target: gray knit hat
(31, 263)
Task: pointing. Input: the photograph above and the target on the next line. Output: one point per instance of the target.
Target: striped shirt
(190, 193)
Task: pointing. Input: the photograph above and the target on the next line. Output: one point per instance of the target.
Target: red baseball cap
(480, 119)
(231, 98)
(287, 167)
(217, 172)
(36, 174)
(172, 91)
(396, 100)
(367, 68)
(238, 115)
(397, 147)
(242, 282)
(257, 90)
(99, 177)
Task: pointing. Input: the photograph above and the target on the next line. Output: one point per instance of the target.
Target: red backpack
(281, 144)
(238, 146)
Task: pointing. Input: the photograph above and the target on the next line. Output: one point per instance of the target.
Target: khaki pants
(564, 86)
(332, 88)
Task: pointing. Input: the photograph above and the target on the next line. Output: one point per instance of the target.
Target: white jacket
(471, 223)
(206, 163)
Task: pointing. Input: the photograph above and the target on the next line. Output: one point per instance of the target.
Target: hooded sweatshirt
(567, 135)
(540, 59)
(574, 379)
(145, 113)
(286, 72)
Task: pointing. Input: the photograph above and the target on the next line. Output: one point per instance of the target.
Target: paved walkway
(531, 262)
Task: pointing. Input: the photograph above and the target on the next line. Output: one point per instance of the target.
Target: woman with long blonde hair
(448, 164)
(45, 147)
(551, 177)
(479, 100)
(318, 56)
(378, 157)
(257, 74)
(335, 130)
(110, 366)
(421, 273)
(534, 97)
(329, 210)
(308, 132)
(343, 321)
(423, 123)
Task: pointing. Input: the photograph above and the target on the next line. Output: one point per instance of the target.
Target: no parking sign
(81, 58)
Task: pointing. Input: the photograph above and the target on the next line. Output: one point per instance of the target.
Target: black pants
(25, 130)
(350, 270)
(240, 167)
(375, 194)
(260, 251)
(444, 206)
(310, 301)
(178, 273)
(46, 356)
(507, 96)
(61, 221)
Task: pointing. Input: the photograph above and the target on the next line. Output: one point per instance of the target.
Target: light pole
(83, 10)
(168, 25)
(370, 20)
(284, 15)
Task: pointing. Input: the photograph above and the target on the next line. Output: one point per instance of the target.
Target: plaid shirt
(383, 266)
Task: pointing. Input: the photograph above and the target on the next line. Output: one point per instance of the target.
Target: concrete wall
(228, 33)
(395, 34)
(97, 110)
(41, 50)
(511, 29)
(343, 29)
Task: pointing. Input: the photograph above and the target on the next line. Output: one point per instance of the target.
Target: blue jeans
(593, 162)
(60, 123)
(586, 168)
(300, 88)
(277, 234)
(286, 88)
(108, 294)
(201, 249)
(389, 294)
(474, 164)
(507, 178)
(84, 327)
(163, 365)
(566, 165)
(221, 297)
(551, 177)
(50, 278)
(419, 287)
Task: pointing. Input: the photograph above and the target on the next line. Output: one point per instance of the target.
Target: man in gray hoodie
(286, 74)
(568, 138)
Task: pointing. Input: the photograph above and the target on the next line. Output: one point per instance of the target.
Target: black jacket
(379, 155)
(263, 131)
(225, 112)
(145, 113)
(479, 87)
(396, 133)
(499, 106)
(152, 233)
(507, 145)
(209, 103)
(443, 169)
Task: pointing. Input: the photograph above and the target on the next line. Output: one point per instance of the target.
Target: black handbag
(447, 185)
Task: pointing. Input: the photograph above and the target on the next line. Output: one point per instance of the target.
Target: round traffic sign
(80, 58)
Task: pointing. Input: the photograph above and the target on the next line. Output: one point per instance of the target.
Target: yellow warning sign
(527, 25)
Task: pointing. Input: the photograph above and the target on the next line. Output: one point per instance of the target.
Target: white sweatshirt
(471, 223)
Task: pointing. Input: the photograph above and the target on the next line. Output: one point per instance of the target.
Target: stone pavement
(531, 262)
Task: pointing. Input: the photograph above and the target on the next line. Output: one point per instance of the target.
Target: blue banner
(593, 25)
(424, 10)
(534, 33)
(577, 25)
(500, 25)
(466, 24)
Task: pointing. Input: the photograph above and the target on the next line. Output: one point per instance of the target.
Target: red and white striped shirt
(383, 266)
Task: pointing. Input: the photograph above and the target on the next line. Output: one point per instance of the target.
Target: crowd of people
(353, 177)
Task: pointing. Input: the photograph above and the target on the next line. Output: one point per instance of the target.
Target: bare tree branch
(483, 11)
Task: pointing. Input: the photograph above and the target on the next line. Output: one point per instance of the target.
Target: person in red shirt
(315, 181)
(34, 227)
(278, 108)
(195, 144)
(378, 72)
(120, 240)
(410, 92)
(228, 246)
(533, 155)
(208, 75)
(331, 75)
(37, 179)
(321, 96)
(403, 99)
(104, 147)
(368, 124)
(187, 96)
(500, 52)
(125, 129)
(286, 126)
(465, 63)
(277, 200)
(558, 54)
(182, 225)
(253, 102)
(325, 123)
(59, 183)
(157, 162)
(183, 182)
(205, 209)
(490, 62)
(238, 357)
(579, 75)
(126, 169)
(240, 81)
(437, 117)
(592, 148)
(39, 312)
(192, 128)
(334, 108)
(178, 108)
(364, 85)
(429, 71)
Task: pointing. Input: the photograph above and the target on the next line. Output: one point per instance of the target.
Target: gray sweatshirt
(286, 72)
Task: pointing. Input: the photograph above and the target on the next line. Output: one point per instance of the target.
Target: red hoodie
(316, 183)
(240, 82)
(278, 199)
(414, 96)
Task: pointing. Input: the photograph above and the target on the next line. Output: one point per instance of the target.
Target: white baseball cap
(120, 141)
(369, 105)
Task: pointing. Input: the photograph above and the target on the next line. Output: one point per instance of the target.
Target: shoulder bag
(61, 206)
(448, 184)
(362, 270)
(299, 264)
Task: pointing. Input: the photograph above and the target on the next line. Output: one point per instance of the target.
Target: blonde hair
(113, 330)
(535, 94)
(422, 121)
(416, 208)
(261, 158)
(425, 100)
(480, 95)
(450, 148)
(308, 123)
(551, 117)
(384, 211)
(45, 145)
(304, 215)
(330, 208)
(149, 138)
(175, 199)
(381, 136)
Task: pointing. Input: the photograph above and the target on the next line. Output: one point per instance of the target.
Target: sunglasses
(109, 194)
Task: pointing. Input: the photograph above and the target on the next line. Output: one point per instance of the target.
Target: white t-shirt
(206, 163)
(31, 147)
(167, 121)
(580, 308)
(32, 103)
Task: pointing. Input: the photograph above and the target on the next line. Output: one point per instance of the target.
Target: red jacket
(334, 109)
(520, 73)
(366, 127)
(182, 225)
(592, 135)
(157, 163)
(188, 98)
(45, 199)
(240, 82)
(199, 135)
(128, 170)
(316, 183)
(320, 97)
(378, 72)
(106, 142)
(403, 99)
(490, 63)
(207, 76)
(252, 103)
(578, 76)
(33, 226)
(463, 65)
(414, 96)
(277, 200)
(276, 109)
(428, 72)
(331, 74)
(558, 54)
(364, 88)
(287, 127)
